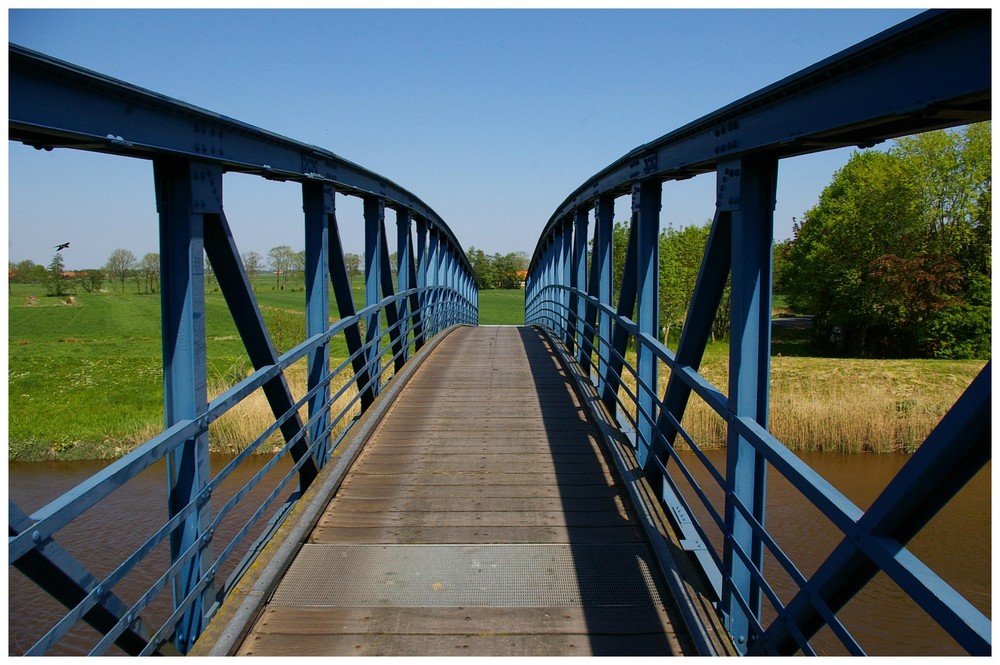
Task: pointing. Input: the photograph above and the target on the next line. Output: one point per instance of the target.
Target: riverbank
(85, 382)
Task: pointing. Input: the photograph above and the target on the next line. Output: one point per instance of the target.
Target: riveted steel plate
(609, 575)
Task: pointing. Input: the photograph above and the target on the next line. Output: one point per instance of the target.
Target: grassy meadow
(85, 379)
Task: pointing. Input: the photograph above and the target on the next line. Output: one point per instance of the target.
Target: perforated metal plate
(617, 574)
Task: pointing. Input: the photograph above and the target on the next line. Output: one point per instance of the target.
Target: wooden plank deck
(482, 518)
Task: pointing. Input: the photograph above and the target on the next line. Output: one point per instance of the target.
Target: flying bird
(62, 246)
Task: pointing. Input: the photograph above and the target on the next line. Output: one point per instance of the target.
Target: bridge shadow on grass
(624, 603)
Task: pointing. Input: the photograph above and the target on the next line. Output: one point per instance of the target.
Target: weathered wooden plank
(514, 504)
(378, 644)
(486, 478)
(464, 620)
(490, 519)
(367, 490)
(422, 535)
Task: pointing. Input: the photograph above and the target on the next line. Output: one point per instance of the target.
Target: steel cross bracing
(57, 105)
(928, 73)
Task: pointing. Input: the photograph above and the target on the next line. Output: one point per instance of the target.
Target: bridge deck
(476, 522)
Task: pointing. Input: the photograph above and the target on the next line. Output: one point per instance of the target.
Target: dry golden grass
(242, 424)
(838, 404)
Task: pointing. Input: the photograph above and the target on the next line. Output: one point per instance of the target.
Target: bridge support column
(318, 202)
(374, 212)
(420, 330)
(404, 268)
(604, 215)
(746, 187)
(646, 228)
(578, 278)
(565, 278)
(185, 192)
(434, 296)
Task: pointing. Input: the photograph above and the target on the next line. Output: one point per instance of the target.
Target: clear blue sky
(492, 117)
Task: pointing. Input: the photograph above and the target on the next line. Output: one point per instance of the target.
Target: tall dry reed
(838, 405)
(246, 421)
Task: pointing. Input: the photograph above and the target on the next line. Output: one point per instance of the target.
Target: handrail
(861, 96)
(58, 105)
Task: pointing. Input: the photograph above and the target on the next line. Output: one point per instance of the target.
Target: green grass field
(85, 379)
(501, 307)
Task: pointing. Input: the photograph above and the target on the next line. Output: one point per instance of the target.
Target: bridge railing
(212, 536)
(859, 97)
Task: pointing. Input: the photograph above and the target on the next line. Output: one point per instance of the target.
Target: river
(956, 545)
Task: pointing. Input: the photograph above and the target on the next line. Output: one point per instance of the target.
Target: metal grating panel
(608, 575)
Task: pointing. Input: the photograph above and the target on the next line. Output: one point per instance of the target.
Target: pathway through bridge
(476, 522)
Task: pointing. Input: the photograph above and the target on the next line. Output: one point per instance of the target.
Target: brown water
(956, 545)
(110, 531)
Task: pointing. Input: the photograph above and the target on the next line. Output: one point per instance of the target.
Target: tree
(896, 250)
(118, 266)
(253, 263)
(482, 268)
(282, 260)
(55, 282)
(92, 280)
(353, 263)
(149, 268)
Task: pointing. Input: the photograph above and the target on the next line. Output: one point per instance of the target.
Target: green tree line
(894, 259)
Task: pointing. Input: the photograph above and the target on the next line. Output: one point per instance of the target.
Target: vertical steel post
(317, 203)
(391, 312)
(374, 212)
(568, 320)
(747, 188)
(421, 281)
(604, 222)
(646, 208)
(404, 269)
(434, 300)
(185, 192)
(579, 278)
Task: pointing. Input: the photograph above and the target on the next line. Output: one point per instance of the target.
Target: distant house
(522, 277)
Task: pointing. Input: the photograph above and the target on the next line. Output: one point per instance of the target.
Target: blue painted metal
(192, 221)
(404, 281)
(374, 211)
(746, 188)
(317, 204)
(646, 229)
(862, 96)
(181, 190)
(578, 280)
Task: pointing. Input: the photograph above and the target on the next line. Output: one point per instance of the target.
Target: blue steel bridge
(451, 488)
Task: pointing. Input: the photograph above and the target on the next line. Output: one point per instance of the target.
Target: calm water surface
(956, 545)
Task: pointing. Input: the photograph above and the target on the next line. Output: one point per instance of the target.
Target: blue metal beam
(747, 188)
(957, 449)
(391, 313)
(67, 581)
(578, 278)
(404, 272)
(646, 213)
(374, 212)
(860, 96)
(419, 329)
(318, 201)
(185, 193)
